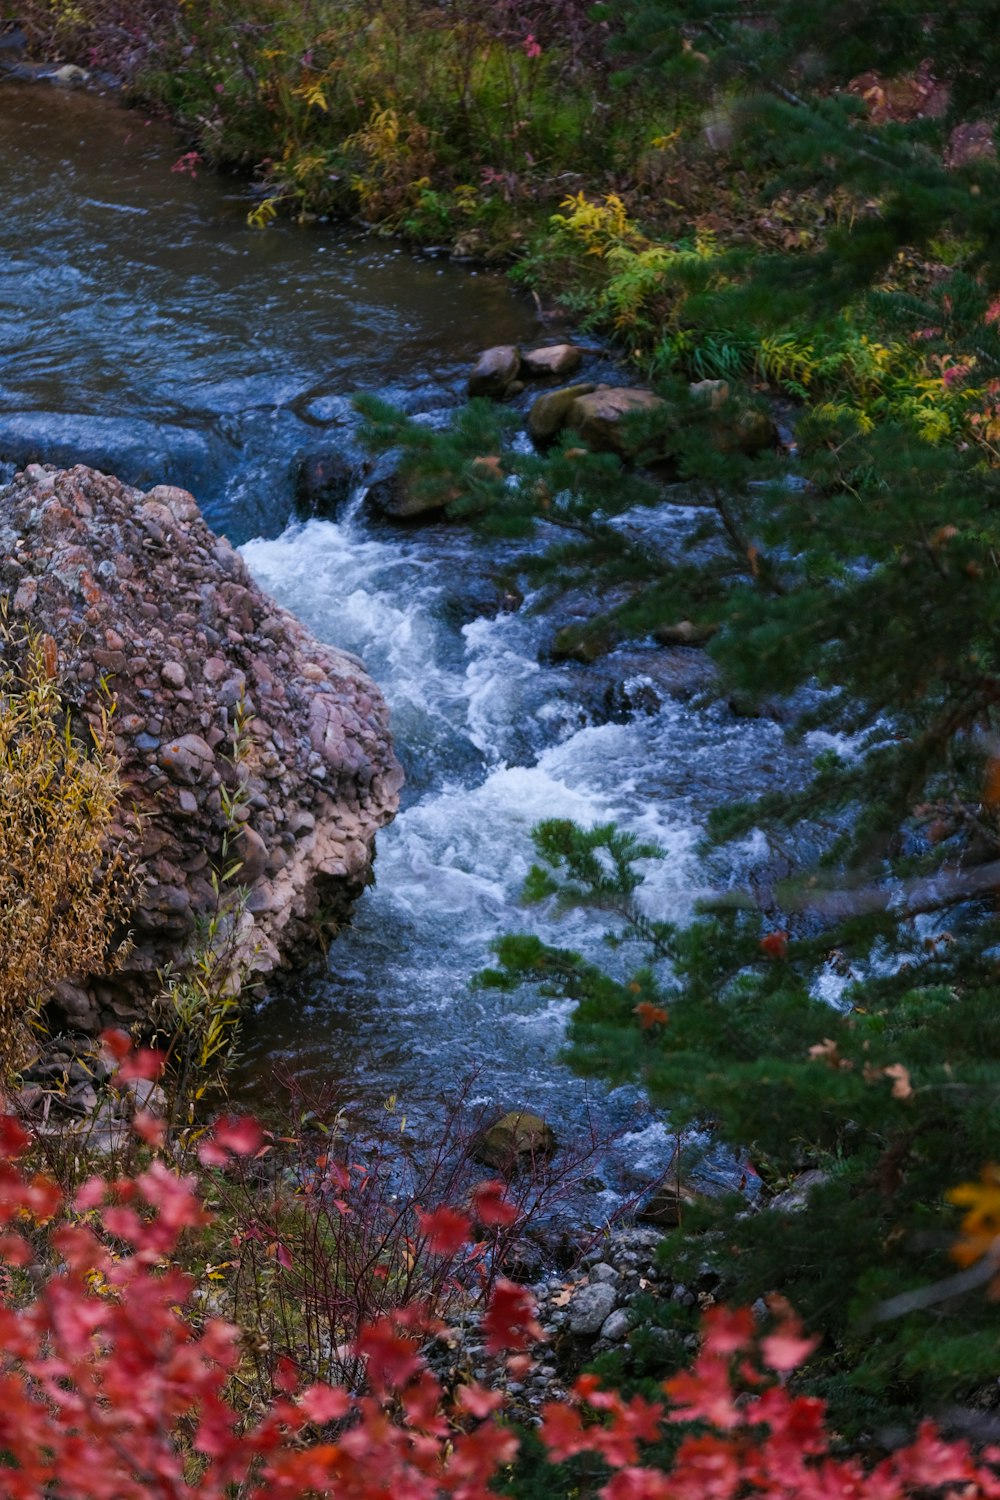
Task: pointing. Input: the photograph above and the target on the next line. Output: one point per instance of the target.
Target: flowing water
(145, 328)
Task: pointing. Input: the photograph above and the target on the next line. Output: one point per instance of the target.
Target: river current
(145, 327)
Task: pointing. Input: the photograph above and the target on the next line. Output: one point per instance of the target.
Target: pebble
(615, 1326)
(589, 1308)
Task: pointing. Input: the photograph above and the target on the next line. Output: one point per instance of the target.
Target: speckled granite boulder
(138, 593)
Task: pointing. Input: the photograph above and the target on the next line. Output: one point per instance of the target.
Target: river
(145, 327)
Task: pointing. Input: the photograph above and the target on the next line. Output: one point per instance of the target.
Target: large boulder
(143, 601)
(551, 359)
(496, 372)
(324, 482)
(735, 428)
(601, 418)
(391, 494)
(516, 1138)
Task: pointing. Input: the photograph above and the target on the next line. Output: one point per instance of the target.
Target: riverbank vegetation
(119, 1381)
(834, 1010)
(802, 204)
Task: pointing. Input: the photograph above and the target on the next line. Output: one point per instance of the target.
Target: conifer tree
(859, 577)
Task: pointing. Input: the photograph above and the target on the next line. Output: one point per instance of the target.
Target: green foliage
(199, 1009)
(438, 124)
(857, 579)
(892, 1095)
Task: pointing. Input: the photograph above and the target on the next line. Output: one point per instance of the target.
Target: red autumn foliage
(775, 944)
(446, 1230)
(492, 1206)
(113, 1387)
(650, 1015)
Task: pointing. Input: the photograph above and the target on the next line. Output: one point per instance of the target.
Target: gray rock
(145, 1094)
(603, 1272)
(795, 1197)
(600, 419)
(188, 759)
(251, 850)
(495, 371)
(589, 1308)
(552, 359)
(615, 1326)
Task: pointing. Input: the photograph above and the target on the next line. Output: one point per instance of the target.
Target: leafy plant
(200, 1005)
(65, 859)
(112, 1386)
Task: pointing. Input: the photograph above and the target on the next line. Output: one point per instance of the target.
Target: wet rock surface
(145, 603)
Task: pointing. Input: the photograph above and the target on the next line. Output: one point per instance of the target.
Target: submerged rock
(140, 452)
(516, 1135)
(143, 601)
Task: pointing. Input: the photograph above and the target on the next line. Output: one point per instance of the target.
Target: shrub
(63, 865)
(112, 1389)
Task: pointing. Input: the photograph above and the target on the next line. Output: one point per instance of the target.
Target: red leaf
(239, 1134)
(775, 944)
(638, 1484)
(786, 1350)
(286, 1376)
(492, 1206)
(211, 1155)
(149, 1128)
(509, 1321)
(728, 1329)
(324, 1403)
(15, 1250)
(446, 1230)
(117, 1042)
(13, 1137)
(392, 1359)
(144, 1063)
(562, 1432)
(478, 1401)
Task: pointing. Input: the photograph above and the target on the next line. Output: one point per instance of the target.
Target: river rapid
(145, 328)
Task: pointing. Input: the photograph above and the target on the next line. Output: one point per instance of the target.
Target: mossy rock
(581, 643)
(549, 411)
(516, 1136)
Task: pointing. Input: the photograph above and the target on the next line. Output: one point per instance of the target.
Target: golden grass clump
(65, 876)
